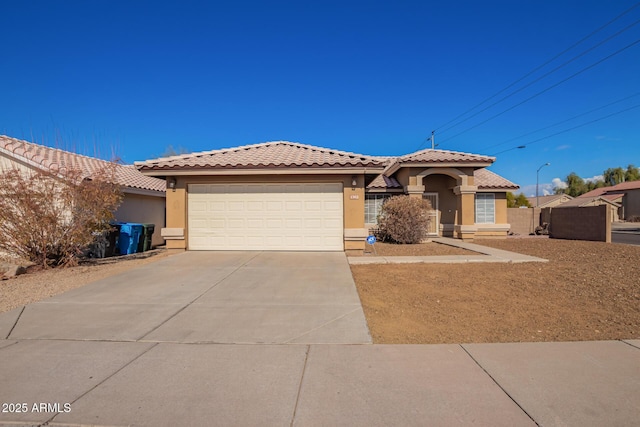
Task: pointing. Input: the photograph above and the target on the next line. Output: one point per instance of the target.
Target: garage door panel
(265, 216)
(293, 206)
(275, 206)
(332, 224)
(293, 223)
(255, 223)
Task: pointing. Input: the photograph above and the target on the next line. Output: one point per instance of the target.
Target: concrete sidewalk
(165, 384)
(483, 254)
(160, 346)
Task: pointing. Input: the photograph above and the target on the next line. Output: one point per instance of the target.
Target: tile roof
(613, 197)
(548, 199)
(51, 159)
(614, 189)
(382, 181)
(487, 180)
(595, 192)
(277, 154)
(584, 201)
(444, 156)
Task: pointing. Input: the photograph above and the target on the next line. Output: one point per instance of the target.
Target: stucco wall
(631, 204)
(7, 164)
(143, 209)
(581, 223)
(523, 221)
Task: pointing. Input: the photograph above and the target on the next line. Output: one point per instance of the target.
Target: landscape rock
(14, 270)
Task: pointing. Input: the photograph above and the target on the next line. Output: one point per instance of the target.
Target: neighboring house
(594, 201)
(144, 196)
(290, 196)
(550, 201)
(625, 194)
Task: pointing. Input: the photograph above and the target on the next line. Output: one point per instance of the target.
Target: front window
(485, 208)
(373, 206)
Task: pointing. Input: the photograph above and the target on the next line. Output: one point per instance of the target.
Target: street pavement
(627, 233)
(204, 338)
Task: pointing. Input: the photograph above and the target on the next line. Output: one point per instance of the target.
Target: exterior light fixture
(172, 183)
(354, 181)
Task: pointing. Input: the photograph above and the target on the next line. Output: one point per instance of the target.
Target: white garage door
(265, 217)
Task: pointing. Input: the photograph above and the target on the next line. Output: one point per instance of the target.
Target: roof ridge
(261, 144)
(443, 151)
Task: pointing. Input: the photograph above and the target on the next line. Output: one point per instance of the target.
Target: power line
(543, 76)
(597, 30)
(571, 128)
(547, 89)
(561, 122)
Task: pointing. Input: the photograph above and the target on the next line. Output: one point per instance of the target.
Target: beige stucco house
(626, 196)
(614, 207)
(290, 196)
(549, 201)
(144, 196)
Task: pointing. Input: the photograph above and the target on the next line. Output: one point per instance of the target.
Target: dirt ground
(38, 285)
(587, 291)
(422, 249)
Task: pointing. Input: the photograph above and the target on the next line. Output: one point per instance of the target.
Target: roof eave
(262, 171)
(143, 192)
(492, 189)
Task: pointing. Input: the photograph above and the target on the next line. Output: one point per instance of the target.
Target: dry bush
(404, 219)
(635, 218)
(49, 218)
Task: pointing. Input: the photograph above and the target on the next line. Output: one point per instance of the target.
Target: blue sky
(372, 77)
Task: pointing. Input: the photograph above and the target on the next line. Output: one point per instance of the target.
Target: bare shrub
(404, 219)
(49, 218)
(635, 218)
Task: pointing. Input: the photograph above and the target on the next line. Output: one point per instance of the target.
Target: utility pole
(433, 141)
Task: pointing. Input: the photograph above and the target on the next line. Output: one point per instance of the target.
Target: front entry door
(434, 214)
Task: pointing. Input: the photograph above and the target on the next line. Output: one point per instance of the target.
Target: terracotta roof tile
(444, 156)
(618, 188)
(624, 186)
(382, 181)
(52, 159)
(487, 180)
(548, 198)
(584, 201)
(277, 154)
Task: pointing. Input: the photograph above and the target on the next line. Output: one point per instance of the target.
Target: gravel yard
(422, 249)
(38, 285)
(588, 291)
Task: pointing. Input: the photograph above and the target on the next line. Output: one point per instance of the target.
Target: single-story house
(290, 196)
(625, 194)
(549, 201)
(144, 196)
(594, 201)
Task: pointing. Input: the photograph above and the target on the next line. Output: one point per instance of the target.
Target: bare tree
(50, 217)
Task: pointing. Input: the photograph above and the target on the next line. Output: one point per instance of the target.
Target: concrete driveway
(177, 342)
(208, 297)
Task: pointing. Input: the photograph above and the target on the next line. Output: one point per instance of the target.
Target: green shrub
(404, 219)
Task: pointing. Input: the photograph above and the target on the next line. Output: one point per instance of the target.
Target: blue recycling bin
(129, 237)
